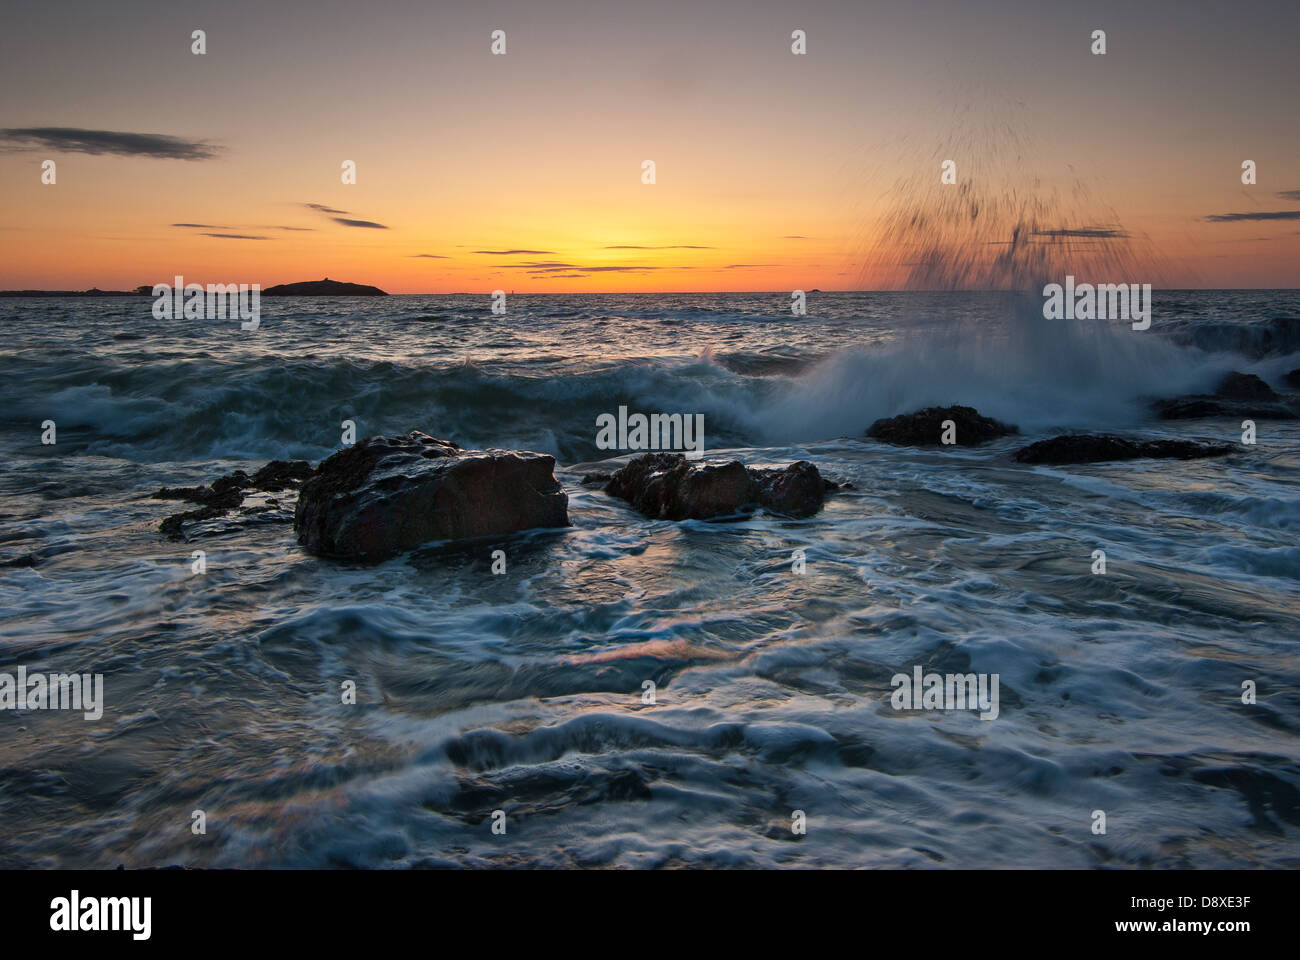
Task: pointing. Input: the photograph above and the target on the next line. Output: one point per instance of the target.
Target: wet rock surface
(1097, 448)
(924, 428)
(667, 486)
(387, 495)
(235, 500)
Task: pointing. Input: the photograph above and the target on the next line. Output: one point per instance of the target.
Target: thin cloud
(235, 236)
(538, 265)
(429, 256)
(1262, 215)
(627, 269)
(511, 253)
(203, 226)
(114, 142)
(303, 229)
(1089, 233)
(678, 246)
(795, 237)
(321, 208)
(360, 223)
(544, 267)
(748, 266)
(1289, 194)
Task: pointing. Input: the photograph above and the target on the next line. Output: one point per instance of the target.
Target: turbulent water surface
(523, 692)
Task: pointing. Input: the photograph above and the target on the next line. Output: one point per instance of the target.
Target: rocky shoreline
(388, 495)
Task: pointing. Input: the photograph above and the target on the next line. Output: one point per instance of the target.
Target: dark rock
(589, 478)
(1240, 396)
(667, 486)
(282, 475)
(1199, 408)
(229, 493)
(1085, 448)
(174, 526)
(925, 427)
(387, 495)
(1292, 379)
(224, 493)
(1244, 386)
(323, 288)
(796, 491)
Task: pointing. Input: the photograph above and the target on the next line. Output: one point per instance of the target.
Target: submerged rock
(387, 495)
(925, 427)
(1292, 379)
(217, 500)
(1094, 448)
(667, 486)
(1238, 395)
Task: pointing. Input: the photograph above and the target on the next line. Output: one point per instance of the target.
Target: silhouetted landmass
(323, 288)
(92, 292)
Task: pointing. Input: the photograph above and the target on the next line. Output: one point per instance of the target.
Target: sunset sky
(523, 171)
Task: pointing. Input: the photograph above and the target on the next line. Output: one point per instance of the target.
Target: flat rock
(1095, 448)
(224, 504)
(387, 495)
(667, 486)
(924, 428)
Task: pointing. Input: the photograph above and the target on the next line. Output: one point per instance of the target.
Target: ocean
(505, 718)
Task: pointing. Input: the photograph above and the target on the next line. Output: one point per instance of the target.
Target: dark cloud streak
(112, 142)
(1262, 215)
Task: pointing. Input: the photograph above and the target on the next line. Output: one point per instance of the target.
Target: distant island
(323, 288)
(307, 288)
(92, 292)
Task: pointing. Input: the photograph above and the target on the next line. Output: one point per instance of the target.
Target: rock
(224, 493)
(323, 288)
(1238, 395)
(228, 493)
(796, 491)
(1244, 386)
(667, 486)
(1292, 379)
(282, 474)
(1086, 448)
(387, 495)
(925, 427)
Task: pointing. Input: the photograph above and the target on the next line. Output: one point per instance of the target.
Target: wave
(1009, 363)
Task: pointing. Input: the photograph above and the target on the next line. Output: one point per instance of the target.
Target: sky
(524, 171)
